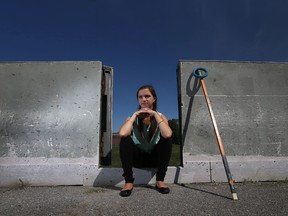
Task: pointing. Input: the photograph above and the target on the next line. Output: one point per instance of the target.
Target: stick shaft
(219, 140)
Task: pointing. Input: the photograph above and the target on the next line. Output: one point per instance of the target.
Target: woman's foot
(126, 190)
(162, 188)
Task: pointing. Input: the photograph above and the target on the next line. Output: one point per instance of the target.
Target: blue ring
(200, 76)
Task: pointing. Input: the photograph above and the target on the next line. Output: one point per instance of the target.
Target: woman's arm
(127, 127)
(163, 125)
(162, 122)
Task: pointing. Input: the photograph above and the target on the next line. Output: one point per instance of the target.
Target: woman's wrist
(160, 122)
(131, 121)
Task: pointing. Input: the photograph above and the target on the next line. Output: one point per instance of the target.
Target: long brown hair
(152, 118)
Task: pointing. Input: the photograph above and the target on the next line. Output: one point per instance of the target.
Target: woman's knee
(165, 142)
(124, 141)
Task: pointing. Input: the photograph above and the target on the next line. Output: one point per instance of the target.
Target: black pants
(131, 156)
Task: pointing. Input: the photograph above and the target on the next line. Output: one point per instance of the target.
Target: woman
(145, 141)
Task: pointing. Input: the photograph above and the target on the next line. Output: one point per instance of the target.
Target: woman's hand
(162, 121)
(145, 112)
(127, 127)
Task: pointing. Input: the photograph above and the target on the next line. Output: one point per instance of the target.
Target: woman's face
(145, 98)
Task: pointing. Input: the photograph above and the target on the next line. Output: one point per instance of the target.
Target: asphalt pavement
(261, 198)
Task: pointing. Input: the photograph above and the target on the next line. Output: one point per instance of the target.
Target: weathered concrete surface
(50, 121)
(250, 103)
(50, 109)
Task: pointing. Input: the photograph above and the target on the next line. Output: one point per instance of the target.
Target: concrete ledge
(252, 169)
(196, 169)
(43, 171)
(41, 175)
(243, 168)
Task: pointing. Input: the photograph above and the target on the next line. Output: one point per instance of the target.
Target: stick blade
(235, 197)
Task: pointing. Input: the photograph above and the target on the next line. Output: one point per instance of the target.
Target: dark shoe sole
(163, 190)
(126, 193)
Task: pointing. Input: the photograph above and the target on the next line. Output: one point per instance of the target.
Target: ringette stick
(201, 73)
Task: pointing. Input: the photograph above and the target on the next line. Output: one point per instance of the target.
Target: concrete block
(195, 172)
(107, 176)
(41, 175)
(50, 121)
(50, 109)
(249, 103)
(90, 173)
(251, 169)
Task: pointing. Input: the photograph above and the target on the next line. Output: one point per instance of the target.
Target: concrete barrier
(56, 123)
(250, 103)
(52, 121)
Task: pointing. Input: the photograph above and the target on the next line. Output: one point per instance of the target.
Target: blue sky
(143, 40)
